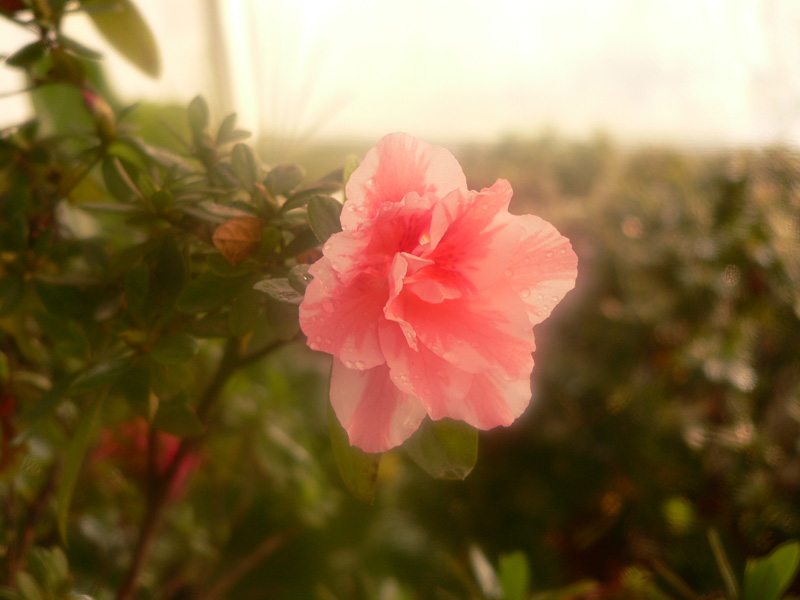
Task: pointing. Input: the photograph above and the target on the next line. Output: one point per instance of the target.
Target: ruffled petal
(473, 239)
(493, 400)
(543, 267)
(437, 383)
(342, 319)
(475, 333)
(397, 165)
(375, 413)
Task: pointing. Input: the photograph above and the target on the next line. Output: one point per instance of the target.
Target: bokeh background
(660, 138)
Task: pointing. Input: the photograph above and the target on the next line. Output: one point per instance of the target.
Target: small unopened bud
(102, 114)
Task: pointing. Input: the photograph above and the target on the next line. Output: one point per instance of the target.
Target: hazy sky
(697, 71)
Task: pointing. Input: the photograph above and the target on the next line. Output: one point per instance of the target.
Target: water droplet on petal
(540, 297)
(349, 364)
(452, 357)
(525, 292)
(562, 251)
(509, 273)
(328, 305)
(554, 299)
(361, 365)
(549, 254)
(526, 260)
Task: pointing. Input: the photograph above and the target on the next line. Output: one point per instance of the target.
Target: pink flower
(428, 296)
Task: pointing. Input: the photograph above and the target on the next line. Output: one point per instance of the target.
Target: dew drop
(540, 297)
(554, 299)
(525, 292)
(327, 246)
(328, 305)
(509, 273)
(562, 251)
(349, 364)
(526, 260)
(328, 341)
(549, 254)
(318, 338)
(361, 365)
(451, 356)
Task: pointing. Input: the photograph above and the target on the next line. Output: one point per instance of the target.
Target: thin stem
(728, 578)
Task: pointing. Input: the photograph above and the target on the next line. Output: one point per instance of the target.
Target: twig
(245, 565)
(728, 578)
(159, 498)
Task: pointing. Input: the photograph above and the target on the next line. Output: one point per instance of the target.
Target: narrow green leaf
(350, 164)
(514, 575)
(174, 348)
(302, 197)
(324, 214)
(25, 57)
(75, 452)
(280, 289)
(137, 283)
(358, 469)
(178, 418)
(198, 117)
(445, 449)
(121, 24)
(225, 129)
(28, 587)
(77, 48)
(246, 165)
(99, 375)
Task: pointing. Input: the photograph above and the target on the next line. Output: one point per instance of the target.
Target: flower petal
(375, 413)
(342, 319)
(398, 164)
(493, 400)
(543, 268)
(475, 333)
(437, 383)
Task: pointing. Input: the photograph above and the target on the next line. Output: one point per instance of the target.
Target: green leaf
(324, 214)
(445, 449)
(137, 282)
(134, 386)
(198, 117)
(246, 165)
(77, 48)
(359, 470)
(69, 336)
(282, 319)
(75, 452)
(121, 24)
(174, 348)
(280, 290)
(284, 178)
(350, 164)
(768, 577)
(178, 418)
(28, 587)
(12, 287)
(209, 292)
(302, 197)
(169, 274)
(25, 57)
(245, 312)
(299, 278)
(514, 575)
(65, 299)
(304, 241)
(99, 375)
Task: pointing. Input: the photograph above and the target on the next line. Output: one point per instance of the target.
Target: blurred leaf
(299, 278)
(359, 470)
(575, 590)
(484, 573)
(238, 238)
(280, 290)
(169, 274)
(282, 318)
(28, 587)
(324, 214)
(350, 164)
(304, 241)
(178, 418)
(302, 197)
(121, 24)
(78, 48)
(768, 577)
(244, 313)
(99, 375)
(174, 348)
(514, 575)
(198, 117)
(28, 55)
(445, 449)
(284, 178)
(134, 385)
(73, 460)
(66, 299)
(69, 335)
(12, 288)
(246, 165)
(228, 134)
(209, 292)
(137, 284)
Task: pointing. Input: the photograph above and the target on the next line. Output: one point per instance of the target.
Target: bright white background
(687, 71)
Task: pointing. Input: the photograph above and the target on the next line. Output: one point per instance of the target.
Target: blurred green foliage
(160, 419)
